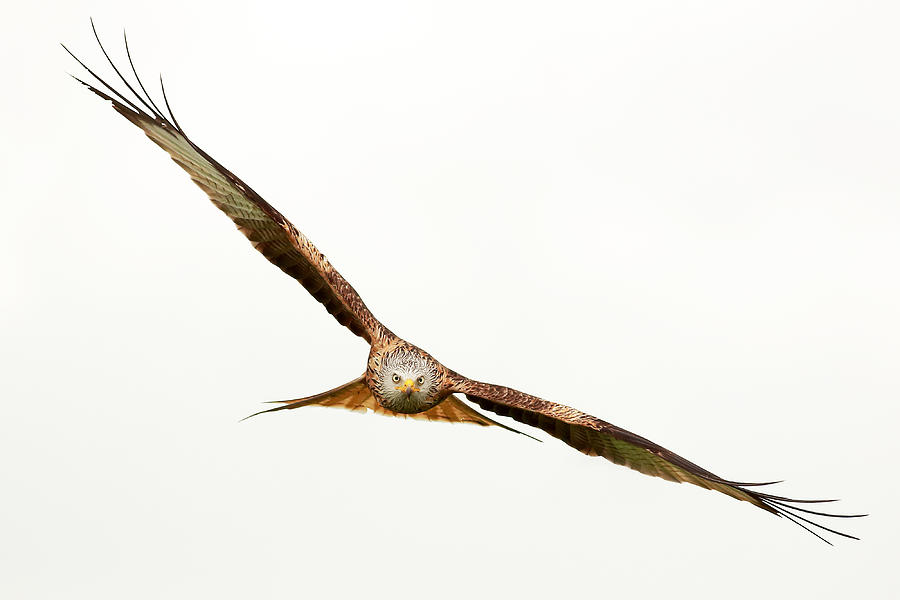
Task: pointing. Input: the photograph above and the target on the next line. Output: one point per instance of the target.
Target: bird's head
(407, 380)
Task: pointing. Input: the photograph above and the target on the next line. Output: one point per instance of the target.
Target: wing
(595, 437)
(266, 228)
(357, 397)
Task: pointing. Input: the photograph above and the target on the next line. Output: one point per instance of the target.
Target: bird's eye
(395, 378)
(420, 380)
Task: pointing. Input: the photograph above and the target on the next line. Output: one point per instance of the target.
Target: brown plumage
(402, 380)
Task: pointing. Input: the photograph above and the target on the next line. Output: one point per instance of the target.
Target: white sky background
(681, 217)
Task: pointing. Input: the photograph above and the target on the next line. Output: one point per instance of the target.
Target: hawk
(401, 379)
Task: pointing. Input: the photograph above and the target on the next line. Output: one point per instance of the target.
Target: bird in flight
(401, 379)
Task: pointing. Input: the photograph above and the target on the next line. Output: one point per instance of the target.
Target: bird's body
(400, 379)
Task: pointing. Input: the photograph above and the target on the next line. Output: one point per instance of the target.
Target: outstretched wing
(356, 396)
(266, 228)
(595, 437)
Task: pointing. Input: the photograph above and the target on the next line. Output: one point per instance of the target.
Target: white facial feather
(398, 367)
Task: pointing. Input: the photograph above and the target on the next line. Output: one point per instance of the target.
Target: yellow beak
(409, 386)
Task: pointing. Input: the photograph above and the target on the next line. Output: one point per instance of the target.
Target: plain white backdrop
(681, 217)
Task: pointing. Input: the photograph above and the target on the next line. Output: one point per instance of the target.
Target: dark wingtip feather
(122, 103)
(785, 512)
(111, 89)
(162, 86)
(783, 507)
(796, 522)
(157, 112)
(122, 77)
(745, 484)
(815, 512)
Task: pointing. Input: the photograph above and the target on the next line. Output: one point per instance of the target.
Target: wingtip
(253, 415)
